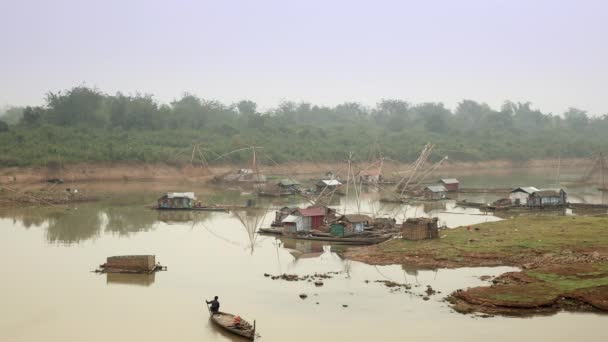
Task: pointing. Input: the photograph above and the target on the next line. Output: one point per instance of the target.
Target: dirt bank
(564, 262)
(145, 171)
(545, 290)
(10, 198)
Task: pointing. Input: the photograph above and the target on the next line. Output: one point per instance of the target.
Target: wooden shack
(288, 184)
(281, 214)
(435, 192)
(521, 195)
(370, 176)
(312, 217)
(130, 263)
(292, 224)
(545, 198)
(450, 184)
(420, 228)
(349, 224)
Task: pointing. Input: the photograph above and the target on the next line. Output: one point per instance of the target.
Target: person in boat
(215, 305)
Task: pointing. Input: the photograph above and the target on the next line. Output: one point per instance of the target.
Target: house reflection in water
(303, 249)
(130, 279)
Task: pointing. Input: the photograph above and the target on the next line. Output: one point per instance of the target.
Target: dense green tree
(32, 115)
(79, 105)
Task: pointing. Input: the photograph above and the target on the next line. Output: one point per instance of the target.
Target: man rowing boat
(215, 305)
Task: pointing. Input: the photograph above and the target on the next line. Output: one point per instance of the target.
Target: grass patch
(509, 237)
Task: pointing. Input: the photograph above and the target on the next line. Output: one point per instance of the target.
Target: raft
(226, 321)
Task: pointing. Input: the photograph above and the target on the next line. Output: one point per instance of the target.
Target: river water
(48, 292)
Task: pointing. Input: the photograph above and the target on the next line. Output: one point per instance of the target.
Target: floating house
(521, 195)
(288, 184)
(312, 218)
(349, 224)
(292, 224)
(281, 214)
(370, 176)
(131, 264)
(420, 228)
(544, 198)
(177, 200)
(329, 184)
(450, 184)
(435, 192)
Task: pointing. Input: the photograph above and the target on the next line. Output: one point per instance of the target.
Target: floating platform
(139, 264)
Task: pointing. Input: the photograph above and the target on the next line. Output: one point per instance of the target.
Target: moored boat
(234, 324)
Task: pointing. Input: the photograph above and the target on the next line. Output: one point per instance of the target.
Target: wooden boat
(275, 194)
(193, 209)
(226, 321)
(341, 240)
(273, 231)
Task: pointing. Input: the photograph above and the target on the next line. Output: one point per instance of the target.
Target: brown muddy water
(48, 292)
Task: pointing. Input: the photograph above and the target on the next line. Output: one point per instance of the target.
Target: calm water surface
(49, 293)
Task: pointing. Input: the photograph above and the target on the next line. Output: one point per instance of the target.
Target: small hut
(312, 218)
(281, 214)
(131, 264)
(370, 176)
(450, 184)
(288, 184)
(544, 198)
(292, 224)
(349, 224)
(177, 200)
(420, 228)
(435, 192)
(521, 195)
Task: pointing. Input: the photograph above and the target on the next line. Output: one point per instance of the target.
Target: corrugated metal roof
(291, 219)
(547, 193)
(356, 218)
(314, 211)
(330, 182)
(526, 189)
(288, 182)
(436, 188)
(181, 195)
(449, 181)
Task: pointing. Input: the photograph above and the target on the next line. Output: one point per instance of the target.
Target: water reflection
(128, 219)
(130, 279)
(181, 216)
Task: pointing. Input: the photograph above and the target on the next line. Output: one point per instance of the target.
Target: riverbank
(10, 198)
(91, 172)
(564, 263)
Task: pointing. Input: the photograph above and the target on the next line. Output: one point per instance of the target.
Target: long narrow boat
(272, 231)
(226, 321)
(341, 240)
(193, 209)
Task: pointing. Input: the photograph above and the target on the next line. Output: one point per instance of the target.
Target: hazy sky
(553, 53)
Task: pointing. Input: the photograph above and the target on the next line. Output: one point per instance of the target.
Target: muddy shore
(88, 172)
(564, 262)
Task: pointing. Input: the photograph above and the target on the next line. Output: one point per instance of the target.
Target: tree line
(84, 124)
